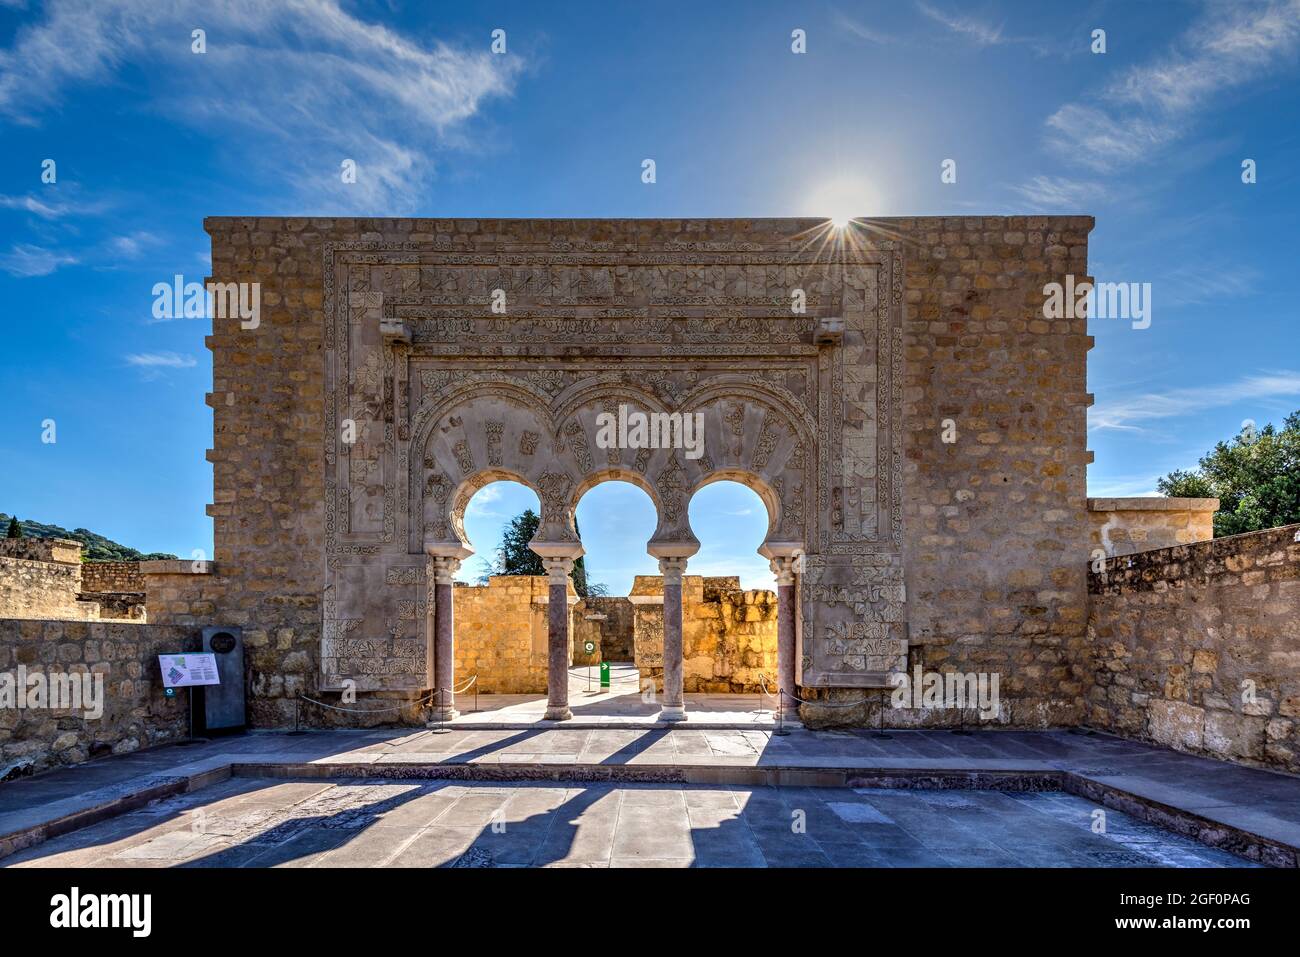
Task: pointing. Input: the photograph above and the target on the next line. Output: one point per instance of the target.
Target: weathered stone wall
(42, 589)
(728, 634)
(501, 633)
(112, 577)
(612, 633)
(136, 714)
(65, 551)
(996, 522)
(1122, 526)
(993, 527)
(1197, 647)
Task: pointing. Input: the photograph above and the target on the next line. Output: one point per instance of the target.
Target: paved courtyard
(247, 822)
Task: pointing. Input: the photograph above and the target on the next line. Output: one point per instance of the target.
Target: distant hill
(94, 548)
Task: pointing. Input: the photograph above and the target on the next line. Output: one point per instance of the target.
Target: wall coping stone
(177, 566)
(1153, 503)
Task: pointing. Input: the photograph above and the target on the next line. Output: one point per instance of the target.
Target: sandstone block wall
(995, 523)
(501, 633)
(612, 633)
(136, 713)
(112, 577)
(1197, 647)
(42, 589)
(1122, 526)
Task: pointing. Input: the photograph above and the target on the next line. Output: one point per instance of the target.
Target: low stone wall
(136, 714)
(1122, 526)
(1197, 647)
(112, 577)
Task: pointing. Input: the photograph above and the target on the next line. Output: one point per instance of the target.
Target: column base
(673, 713)
(557, 714)
(443, 715)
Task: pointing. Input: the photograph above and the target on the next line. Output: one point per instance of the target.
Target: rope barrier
(812, 701)
(420, 702)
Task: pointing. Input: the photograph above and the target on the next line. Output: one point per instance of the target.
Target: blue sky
(150, 137)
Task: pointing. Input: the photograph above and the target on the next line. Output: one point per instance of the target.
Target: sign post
(188, 671)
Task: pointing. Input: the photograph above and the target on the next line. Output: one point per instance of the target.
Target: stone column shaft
(558, 650)
(674, 706)
(783, 568)
(444, 640)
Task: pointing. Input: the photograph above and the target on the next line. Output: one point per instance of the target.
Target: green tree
(514, 557)
(15, 530)
(1255, 476)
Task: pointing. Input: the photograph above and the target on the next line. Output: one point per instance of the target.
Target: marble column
(430, 622)
(784, 570)
(558, 646)
(444, 638)
(674, 706)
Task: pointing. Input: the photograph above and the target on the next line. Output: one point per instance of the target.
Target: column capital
(784, 568)
(558, 569)
(444, 569)
(672, 569)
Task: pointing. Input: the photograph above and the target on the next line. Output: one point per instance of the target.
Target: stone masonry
(1122, 526)
(1197, 647)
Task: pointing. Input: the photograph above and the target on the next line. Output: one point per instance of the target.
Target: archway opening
(730, 611)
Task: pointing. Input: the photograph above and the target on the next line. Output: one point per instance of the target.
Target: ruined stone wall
(1197, 647)
(728, 634)
(136, 714)
(992, 529)
(501, 633)
(42, 589)
(612, 633)
(112, 577)
(1122, 526)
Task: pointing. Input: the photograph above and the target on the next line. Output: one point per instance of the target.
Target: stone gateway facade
(397, 366)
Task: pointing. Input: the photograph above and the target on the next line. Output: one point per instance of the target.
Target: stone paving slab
(1249, 811)
(350, 823)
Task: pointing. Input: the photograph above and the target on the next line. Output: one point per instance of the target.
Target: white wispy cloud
(1126, 413)
(24, 259)
(1153, 105)
(1057, 193)
(294, 87)
(861, 30)
(161, 360)
(984, 34)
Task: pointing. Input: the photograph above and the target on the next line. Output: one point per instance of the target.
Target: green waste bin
(604, 675)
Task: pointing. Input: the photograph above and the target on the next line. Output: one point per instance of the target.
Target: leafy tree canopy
(514, 557)
(1255, 476)
(15, 529)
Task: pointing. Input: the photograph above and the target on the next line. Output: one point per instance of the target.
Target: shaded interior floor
(247, 822)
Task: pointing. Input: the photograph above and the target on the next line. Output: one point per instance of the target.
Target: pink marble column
(558, 650)
(784, 570)
(674, 706)
(444, 639)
